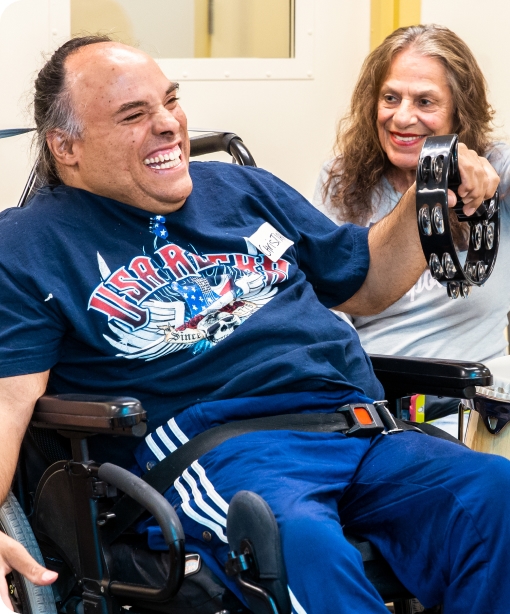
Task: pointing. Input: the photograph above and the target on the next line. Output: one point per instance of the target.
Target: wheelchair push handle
(170, 526)
(228, 142)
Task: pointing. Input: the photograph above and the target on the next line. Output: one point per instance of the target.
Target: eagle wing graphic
(260, 296)
(149, 342)
(154, 341)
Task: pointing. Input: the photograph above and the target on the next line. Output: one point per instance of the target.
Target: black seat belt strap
(171, 467)
(162, 477)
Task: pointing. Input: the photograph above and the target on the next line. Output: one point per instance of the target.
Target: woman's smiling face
(415, 101)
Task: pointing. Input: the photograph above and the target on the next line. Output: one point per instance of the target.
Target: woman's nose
(405, 115)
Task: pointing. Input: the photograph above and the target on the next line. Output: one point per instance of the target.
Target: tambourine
(437, 172)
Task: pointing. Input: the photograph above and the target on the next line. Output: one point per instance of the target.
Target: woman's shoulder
(498, 155)
(321, 198)
(384, 195)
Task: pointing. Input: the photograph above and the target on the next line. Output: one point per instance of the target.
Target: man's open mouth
(164, 159)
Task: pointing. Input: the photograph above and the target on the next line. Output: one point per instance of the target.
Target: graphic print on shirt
(179, 300)
(425, 282)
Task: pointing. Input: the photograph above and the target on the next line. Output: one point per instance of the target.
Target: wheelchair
(69, 513)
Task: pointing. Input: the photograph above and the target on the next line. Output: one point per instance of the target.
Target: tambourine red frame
(437, 172)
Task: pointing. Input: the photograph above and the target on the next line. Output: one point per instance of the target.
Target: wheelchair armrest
(403, 376)
(91, 413)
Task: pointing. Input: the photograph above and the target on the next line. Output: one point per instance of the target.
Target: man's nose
(165, 121)
(405, 114)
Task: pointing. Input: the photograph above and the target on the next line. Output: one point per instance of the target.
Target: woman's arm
(396, 256)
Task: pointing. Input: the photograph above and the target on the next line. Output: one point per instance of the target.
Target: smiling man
(134, 272)
(136, 146)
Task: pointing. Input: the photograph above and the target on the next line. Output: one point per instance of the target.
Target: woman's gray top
(425, 322)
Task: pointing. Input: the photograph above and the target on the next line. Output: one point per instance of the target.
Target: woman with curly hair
(421, 81)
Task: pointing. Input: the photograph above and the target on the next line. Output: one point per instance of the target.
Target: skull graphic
(218, 325)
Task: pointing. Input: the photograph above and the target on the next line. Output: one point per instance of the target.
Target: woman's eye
(425, 102)
(390, 98)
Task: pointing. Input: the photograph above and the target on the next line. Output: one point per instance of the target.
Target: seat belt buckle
(387, 418)
(363, 419)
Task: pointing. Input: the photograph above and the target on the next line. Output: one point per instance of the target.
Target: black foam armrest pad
(401, 375)
(94, 413)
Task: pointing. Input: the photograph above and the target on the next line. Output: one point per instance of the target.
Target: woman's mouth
(406, 140)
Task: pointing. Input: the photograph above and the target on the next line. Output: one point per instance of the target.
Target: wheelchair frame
(90, 485)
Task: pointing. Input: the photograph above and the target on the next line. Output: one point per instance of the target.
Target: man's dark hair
(53, 109)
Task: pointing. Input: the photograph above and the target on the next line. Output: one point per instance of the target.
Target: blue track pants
(439, 513)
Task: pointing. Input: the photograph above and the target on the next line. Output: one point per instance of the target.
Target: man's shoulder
(229, 172)
(46, 201)
(34, 211)
(47, 211)
(231, 181)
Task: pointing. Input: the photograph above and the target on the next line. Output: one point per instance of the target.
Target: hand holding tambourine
(456, 267)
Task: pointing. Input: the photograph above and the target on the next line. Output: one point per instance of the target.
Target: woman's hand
(479, 180)
(14, 556)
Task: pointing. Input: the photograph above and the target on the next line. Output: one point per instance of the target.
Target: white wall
(484, 27)
(28, 29)
(290, 125)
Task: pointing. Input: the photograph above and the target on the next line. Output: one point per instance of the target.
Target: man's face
(134, 147)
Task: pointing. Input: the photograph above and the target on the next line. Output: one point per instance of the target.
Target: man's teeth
(406, 139)
(169, 164)
(168, 160)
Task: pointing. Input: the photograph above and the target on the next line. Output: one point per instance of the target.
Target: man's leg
(301, 476)
(439, 513)
(325, 573)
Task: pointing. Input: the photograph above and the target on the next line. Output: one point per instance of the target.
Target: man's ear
(63, 148)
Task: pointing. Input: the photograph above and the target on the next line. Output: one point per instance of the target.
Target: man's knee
(493, 477)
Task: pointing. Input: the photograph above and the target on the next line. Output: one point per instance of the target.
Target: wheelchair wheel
(27, 598)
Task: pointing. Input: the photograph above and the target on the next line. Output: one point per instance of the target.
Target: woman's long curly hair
(361, 161)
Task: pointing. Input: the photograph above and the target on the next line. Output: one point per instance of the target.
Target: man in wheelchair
(204, 290)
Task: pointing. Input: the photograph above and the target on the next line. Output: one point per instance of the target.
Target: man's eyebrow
(127, 106)
(172, 87)
(133, 104)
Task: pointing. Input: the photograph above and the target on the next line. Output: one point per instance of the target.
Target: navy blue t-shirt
(88, 291)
